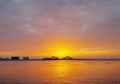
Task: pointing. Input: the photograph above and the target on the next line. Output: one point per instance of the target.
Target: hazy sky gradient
(36, 27)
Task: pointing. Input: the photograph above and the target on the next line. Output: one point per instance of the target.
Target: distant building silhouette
(46, 59)
(15, 58)
(67, 58)
(51, 58)
(25, 58)
(6, 58)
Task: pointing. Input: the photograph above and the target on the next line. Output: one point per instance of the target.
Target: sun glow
(60, 47)
(62, 52)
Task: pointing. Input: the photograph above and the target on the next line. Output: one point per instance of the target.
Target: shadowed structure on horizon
(15, 58)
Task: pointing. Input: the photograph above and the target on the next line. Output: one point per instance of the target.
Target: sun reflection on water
(61, 69)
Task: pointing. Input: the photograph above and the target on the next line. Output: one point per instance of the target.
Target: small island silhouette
(56, 58)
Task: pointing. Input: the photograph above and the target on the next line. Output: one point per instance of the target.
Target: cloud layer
(28, 23)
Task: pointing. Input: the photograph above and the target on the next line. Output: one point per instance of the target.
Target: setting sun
(61, 50)
(61, 53)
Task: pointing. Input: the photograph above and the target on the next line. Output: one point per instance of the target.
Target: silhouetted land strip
(98, 59)
(17, 58)
(64, 59)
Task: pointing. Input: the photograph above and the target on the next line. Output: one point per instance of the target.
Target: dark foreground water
(60, 72)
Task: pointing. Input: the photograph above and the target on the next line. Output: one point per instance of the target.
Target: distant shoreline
(66, 60)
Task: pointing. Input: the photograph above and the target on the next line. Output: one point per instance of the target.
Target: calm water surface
(60, 72)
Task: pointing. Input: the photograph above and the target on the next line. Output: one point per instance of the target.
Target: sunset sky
(78, 28)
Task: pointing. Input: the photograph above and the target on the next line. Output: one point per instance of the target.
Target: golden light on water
(61, 69)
